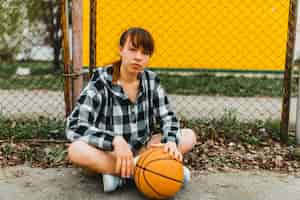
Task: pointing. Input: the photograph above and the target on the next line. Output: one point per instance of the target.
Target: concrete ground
(24, 183)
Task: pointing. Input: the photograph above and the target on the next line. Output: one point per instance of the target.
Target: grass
(41, 128)
(42, 77)
(229, 127)
(215, 136)
(36, 67)
(49, 82)
(206, 84)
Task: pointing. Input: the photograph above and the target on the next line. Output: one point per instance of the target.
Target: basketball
(157, 175)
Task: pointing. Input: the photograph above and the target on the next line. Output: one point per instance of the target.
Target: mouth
(136, 65)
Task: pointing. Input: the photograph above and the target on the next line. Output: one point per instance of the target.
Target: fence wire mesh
(31, 84)
(198, 42)
(191, 38)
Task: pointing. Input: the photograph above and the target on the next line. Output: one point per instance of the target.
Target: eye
(147, 53)
(132, 49)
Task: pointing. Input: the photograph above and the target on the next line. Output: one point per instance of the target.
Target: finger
(169, 149)
(118, 165)
(166, 148)
(123, 169)
(156, 145)
(132, 166)
(132, 169)
(177, 156)
(180, 157)
(128, 167)
(173, 153)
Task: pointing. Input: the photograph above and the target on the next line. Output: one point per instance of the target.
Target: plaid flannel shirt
(104, 111)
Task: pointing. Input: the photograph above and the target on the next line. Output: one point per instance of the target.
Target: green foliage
(50, 82)
(41, 77)
(200, 84)
(55, 154)
(225, 85)
(11, 27)
(274, 128)
(8, 69)
(43, 128)
(231, 129)
(44, 12)
(28, 23)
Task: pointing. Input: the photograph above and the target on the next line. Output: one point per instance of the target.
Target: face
(133, 59)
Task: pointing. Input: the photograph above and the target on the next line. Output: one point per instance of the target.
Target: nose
(139, 54)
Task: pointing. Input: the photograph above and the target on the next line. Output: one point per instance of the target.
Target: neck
(126, 76)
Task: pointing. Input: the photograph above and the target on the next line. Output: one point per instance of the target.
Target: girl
(114, 118)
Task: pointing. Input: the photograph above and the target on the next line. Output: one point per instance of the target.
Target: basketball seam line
(142, 161)
(159, 174)
(164, 158)
(157, 193)
(143, 174)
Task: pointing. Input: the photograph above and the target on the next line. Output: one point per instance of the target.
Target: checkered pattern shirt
(104, 111)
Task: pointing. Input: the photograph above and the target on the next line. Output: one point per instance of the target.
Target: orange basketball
(157, 175)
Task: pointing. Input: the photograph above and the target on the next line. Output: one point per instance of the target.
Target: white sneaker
(111, 183)
(186, 176)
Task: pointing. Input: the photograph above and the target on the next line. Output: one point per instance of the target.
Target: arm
(164, 114)
(81, 122)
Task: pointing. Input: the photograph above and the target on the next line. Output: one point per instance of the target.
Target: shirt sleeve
(81, 122)
(163, 113)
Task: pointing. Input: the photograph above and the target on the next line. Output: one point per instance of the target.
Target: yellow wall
(85, 33)
(197, 34)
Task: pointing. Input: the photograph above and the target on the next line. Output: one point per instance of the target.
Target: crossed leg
(86, 156)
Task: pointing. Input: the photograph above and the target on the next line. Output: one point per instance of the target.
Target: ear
(120, 50)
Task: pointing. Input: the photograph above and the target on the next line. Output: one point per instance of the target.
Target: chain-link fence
(201, 46)
(31, 83)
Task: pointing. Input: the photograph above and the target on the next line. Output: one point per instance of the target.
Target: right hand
(124, 157)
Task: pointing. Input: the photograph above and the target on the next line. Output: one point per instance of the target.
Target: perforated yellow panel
(197, 34)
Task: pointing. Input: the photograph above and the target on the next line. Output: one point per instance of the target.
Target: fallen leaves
(209, 154)
(34, 154)
(222, 155)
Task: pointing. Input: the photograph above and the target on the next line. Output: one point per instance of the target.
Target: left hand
(171, 148)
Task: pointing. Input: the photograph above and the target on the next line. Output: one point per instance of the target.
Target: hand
(124, 157)
(171, 148)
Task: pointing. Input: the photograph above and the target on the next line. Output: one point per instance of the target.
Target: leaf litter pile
(217, 149)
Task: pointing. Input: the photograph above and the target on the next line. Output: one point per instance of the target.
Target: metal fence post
(93, 25)
(66, 57)
(298, 112)
(77, 48)
(284, 126)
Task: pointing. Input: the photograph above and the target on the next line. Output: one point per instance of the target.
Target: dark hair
(140, 38)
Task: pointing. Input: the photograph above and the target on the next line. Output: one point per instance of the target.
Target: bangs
(142, 39)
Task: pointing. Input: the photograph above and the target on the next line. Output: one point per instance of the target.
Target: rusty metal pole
(66, 57)
(284, 126)
(298, 111)
(77, 48)
(93, 25)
